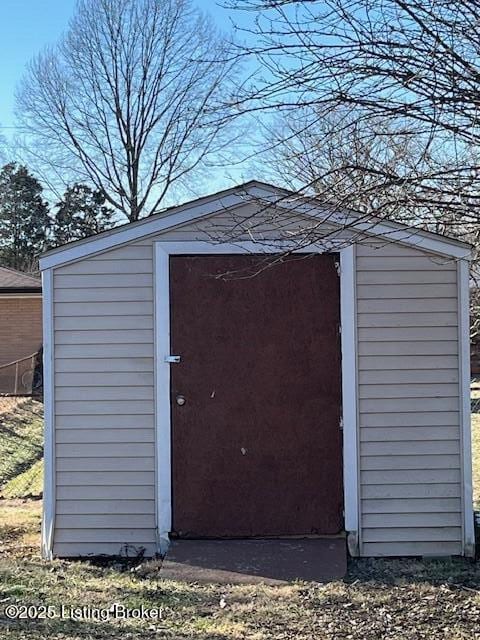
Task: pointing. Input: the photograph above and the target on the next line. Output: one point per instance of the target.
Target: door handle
(180, 400)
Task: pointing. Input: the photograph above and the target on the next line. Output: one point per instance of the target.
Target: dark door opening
(256, 398)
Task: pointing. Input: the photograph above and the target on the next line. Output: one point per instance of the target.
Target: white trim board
(463, 283)
(162, 251)
(48, 516)
(351, 463)
(163, 490)
(264, 195)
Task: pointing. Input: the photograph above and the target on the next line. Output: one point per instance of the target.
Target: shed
(20, 328)
(198, 386)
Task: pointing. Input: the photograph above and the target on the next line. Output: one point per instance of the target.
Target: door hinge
(172, 359)
(340, 424)
(339, 329)
(338, 267)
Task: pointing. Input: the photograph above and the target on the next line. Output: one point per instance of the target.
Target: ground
(21, 447)
(392, 599)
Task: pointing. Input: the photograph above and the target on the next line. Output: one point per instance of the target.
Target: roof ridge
(184, 213)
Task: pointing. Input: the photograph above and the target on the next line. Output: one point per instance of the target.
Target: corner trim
(48, 516)
(348, 315)
(463, 277)
(161, 314)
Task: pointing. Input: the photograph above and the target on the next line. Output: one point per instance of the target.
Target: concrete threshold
(252, 561)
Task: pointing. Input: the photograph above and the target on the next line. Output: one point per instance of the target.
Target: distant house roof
(12, 281)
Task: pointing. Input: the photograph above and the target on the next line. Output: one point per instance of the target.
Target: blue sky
(26, 26)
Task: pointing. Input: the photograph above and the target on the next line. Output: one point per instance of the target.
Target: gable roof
(12, 281)
(252, 191)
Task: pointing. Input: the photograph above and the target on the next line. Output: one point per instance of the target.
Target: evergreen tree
(79, 214)
(24, 218)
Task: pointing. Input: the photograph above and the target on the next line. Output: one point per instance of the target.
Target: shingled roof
(12, 281)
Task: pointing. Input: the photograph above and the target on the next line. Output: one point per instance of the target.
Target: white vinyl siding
(104, 404)
(408, 394)
(408, 402)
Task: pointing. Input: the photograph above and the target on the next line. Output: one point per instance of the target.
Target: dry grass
(390, 599)
(379, 599)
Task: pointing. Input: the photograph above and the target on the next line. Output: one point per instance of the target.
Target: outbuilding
(257, 364)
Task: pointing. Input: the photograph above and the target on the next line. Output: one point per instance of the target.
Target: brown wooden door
(256, 448)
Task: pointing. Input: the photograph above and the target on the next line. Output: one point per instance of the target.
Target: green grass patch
(475, 404)
(28, 484)
(476, 460)
(21, 447)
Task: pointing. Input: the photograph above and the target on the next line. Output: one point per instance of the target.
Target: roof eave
(234, 197)
(25, 290)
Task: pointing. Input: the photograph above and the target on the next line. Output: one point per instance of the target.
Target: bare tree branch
(130, 100)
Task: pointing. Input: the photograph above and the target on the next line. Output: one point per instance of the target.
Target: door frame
(349, 422)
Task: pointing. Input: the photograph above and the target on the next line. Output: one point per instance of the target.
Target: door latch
(172, 359)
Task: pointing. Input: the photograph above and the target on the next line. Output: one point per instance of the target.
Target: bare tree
(343, 164)
(391, 89)
(128, 100)
(409, 69)
(343, 159)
